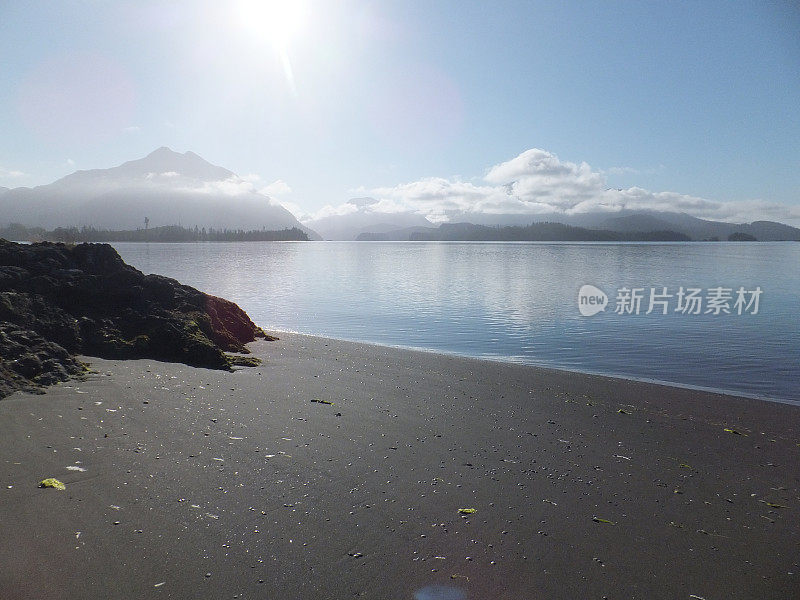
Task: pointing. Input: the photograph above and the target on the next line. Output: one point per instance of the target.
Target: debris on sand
(734, 432)
(52, 482)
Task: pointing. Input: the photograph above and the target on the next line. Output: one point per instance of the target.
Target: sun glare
(276, 21)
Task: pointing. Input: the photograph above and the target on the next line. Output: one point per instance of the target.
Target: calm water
(519, 302)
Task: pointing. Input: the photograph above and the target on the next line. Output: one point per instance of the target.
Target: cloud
(330, 211)
(298, 211)
(164, 175)
(252, 183)
(622, 171)
(277, 188)
(537, 182)
(131, 129)
(362, 202)
(11, 173)
(233, 186)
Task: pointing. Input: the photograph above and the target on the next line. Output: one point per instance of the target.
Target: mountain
(699, 229)
(535, 232)
(364, 220)
(770, 230)
(398, 235)
(626, 225)
(164, 187)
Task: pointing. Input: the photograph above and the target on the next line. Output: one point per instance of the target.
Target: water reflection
(515, 301)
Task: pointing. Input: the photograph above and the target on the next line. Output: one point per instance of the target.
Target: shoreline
(338, 469)
(565, 369)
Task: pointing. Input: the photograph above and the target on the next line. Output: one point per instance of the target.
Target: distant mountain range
(623, 226)
(537, 232)
(164, 187)
(168, 188)
(698, 229)
(363, 220)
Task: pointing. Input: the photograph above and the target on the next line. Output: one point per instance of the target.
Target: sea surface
(519, 302)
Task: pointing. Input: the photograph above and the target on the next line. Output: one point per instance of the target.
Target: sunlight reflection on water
(516, 301)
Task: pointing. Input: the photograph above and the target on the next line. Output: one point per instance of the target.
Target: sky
(497, 106)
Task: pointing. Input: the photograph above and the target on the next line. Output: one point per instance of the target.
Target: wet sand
(192, 483)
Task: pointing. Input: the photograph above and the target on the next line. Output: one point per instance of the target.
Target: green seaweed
(243, 361)
(774, 505)
(734, 432)
(599, 520)
(52, 482)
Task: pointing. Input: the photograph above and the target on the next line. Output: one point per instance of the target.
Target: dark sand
(207, 484)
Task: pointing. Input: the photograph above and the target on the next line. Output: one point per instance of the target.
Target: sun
(275, 21)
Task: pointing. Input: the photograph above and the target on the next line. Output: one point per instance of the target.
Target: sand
(191, 483)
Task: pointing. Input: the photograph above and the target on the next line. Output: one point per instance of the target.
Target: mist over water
(518, 302)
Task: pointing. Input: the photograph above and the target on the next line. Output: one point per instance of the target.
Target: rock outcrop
(57, 301)
(28, 361)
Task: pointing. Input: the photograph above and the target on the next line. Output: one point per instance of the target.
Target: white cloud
(621, 171)
(164, 175)
(295, 209)
(331, 211)
(252, 183)
(537, 182)
(233, 186)
(362, 202)
(277, 188)
(11, 173)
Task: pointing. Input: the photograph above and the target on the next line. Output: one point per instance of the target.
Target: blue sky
(695, 99)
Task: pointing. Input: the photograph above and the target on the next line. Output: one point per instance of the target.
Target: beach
(340, 470)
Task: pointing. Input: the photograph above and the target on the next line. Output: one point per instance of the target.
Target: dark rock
(85, 299)
(28, 361)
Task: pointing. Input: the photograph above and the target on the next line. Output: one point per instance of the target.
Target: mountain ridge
(165, 187)
(362, 220)
(650, 228)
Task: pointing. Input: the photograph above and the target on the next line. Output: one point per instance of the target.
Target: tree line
(169, 233)
(542, 232)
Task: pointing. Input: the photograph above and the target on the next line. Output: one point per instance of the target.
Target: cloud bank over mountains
(537, 185)
(182, 188)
